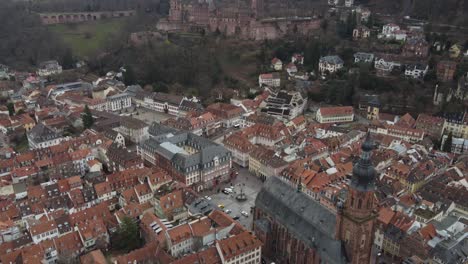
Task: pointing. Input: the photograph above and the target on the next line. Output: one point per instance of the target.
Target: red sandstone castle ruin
(247, 19)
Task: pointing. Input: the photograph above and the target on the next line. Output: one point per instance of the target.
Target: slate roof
(305, 218)
(157, 130)
(161, 143)
(168, 98)
(41, 133)
(364, 56)
(187, 105)
(331, 59)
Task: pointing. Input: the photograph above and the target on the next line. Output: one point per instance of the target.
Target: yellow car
(221, 206)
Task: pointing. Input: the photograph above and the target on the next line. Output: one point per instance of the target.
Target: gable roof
(308, 220)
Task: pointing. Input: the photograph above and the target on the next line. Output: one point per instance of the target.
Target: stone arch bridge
(77, 17)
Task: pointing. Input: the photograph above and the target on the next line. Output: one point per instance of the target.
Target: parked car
(228, 190)
(244, 213)
(227, 211)
(221, 206)
(225, 192)
(208, 198)
(236, 217)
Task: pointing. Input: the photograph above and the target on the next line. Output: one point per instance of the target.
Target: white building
(408, 134)
(337, 114)
(459, 145)
(385, 65)
(330, 64)
(179, 240)
(162, 102)
(269, 79)
(363, 57)
(48, 68)
(393, 31)
(42, 136)
(240, 148)
(276, 64)
(43, 231)
(349, 3)
(118, 102)
(284, 104)
(243, 253)
(80, 159)
(297, 58)
(134, 129)
(9, 232)
(389, 29)
(416, 71)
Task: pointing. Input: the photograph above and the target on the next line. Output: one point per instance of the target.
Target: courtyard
(249, 185)
(150, 116)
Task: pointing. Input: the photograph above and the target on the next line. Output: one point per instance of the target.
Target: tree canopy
(127, 237)
(447, 147)
(87, 118)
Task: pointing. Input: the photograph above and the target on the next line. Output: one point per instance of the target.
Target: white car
(228, 190)
(244, 213)
(228, 211)
(208, 198)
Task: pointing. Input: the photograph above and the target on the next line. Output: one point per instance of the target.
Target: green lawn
(86, 39)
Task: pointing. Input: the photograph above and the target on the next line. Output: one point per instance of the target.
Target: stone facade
(246, 19)
(77, 17)
(295, 228)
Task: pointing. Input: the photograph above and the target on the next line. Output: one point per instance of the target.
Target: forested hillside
(23, 40)
(454, 12)
(442, 11)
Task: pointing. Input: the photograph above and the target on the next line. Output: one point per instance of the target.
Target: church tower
(356, 217)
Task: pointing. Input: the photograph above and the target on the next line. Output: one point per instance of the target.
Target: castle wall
(78, 17)
(242, 22)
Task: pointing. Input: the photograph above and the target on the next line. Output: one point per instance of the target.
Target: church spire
(355, 220)
(299, 184)
(364, 173)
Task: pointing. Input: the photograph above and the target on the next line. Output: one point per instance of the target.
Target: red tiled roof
(180, 233)
(239, 142)
(171, 201)
(102, 188)
(69, 243)
(385, 215)
(94, 257)
(207, 256)
(239, 244)
(407, 121)
(336, 111)
(42, 227)
(201, 227)
(428, 232)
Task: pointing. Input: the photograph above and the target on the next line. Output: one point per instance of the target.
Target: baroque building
(295, 228)
(191, 159)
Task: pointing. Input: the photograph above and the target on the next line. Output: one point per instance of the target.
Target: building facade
(338, 114)
(193, 160)
(330, 64)
(295, 228)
